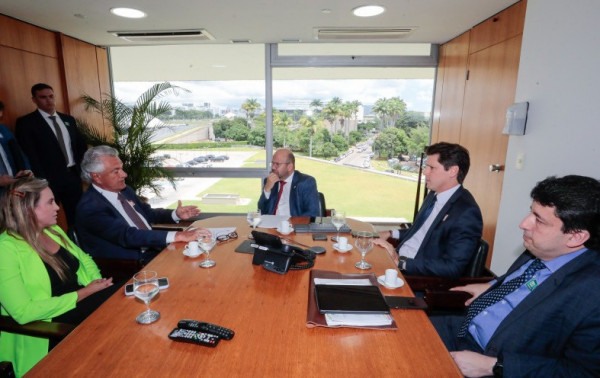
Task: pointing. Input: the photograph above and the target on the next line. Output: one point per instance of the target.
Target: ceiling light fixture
(368, 10)
(128, 12)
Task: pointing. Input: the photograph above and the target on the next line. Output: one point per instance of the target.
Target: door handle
(496, 168)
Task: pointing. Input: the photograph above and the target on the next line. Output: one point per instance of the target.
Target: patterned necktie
(497, 294)
(281, 184)
(131, 213)
(60, 138)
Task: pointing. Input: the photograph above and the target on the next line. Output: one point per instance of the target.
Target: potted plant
(132, 133)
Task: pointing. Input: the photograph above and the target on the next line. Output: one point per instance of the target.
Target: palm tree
(250, 106)
(316, 105)
(311, 124)
(132, 133)
(381, 108)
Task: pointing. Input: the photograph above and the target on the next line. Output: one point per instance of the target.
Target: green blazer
(26, 295)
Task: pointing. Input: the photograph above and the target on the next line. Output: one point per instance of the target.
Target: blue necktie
(424, 214)
(497, 294)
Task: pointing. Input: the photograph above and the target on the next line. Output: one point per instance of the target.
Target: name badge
(531, 284)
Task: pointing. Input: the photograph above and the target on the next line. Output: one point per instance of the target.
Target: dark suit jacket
(40, 145)
(555, 330)
(104, 233)
(14, 153)
(452, 239)
(304, 197)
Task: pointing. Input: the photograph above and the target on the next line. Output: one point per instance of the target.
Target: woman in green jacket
(43, 275)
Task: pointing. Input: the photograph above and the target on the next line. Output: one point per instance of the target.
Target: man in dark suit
(447, 230)
(54, 147)
(542, 318)
(287, 191)
(13, 163)
(113, 223)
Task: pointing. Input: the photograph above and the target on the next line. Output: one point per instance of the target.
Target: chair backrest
(477, 266)
(322, 206)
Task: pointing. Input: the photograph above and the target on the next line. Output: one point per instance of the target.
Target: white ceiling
(260, 21)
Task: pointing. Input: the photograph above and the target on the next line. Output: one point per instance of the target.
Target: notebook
(350, 299)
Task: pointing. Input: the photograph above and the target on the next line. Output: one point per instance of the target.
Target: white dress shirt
(284, 202)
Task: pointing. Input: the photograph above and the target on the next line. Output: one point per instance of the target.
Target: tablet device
(350, 299)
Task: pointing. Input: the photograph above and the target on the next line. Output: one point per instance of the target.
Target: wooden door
(489, 90)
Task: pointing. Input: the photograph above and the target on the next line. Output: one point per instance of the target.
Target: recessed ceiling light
(326, 11)
(368, 10)
(128, 12)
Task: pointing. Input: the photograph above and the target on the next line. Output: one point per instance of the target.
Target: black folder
(350, 299)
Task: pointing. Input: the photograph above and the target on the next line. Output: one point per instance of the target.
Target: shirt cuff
(267, 194)
(395, 234)
(175, 217)
(171, 236)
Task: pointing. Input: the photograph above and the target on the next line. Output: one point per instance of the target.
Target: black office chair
(322, 207)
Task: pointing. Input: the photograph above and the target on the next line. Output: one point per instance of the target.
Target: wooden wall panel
(449, 104)
(23, 36)
(490, 90)
(81, 77)
(19, 71)
(500, 27)
(104, 78)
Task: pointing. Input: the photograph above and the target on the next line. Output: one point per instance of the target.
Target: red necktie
(281, 184)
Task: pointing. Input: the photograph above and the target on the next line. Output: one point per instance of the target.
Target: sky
(416, 93)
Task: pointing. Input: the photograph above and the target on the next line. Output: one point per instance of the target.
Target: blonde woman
(43, 275)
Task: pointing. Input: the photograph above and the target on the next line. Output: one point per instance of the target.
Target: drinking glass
(364, 243)
(207, 243)
(253, 218)
(338, 218)
(145, 287)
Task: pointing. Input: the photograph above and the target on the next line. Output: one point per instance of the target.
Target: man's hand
(385, 235)
(186, 212)
(191, 234)
(389, 248)
(272, 178)
(473, 364)
(474, 289)
(6, 180)
(24, 173)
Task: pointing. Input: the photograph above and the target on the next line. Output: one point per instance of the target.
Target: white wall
(558, 75)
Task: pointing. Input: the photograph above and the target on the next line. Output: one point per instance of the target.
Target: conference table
(267, 311)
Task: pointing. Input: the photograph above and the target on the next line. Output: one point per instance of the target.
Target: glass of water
(145, 287)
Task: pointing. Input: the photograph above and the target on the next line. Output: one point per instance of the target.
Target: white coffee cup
(391, 276)
(285, 226)
(193, 248)
(343, 242)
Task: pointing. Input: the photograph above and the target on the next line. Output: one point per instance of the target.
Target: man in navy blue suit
(112, 222)
(288, 191)
(542, 318)
(54, 147)
(13, 163)
(447, 230)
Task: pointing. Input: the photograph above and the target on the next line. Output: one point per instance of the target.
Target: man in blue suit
(113, 223)
(287, 191)
(447, 230)
(54, 147)
(13, 163)
(542, 318)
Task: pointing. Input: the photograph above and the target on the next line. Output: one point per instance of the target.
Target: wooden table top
(266, 310)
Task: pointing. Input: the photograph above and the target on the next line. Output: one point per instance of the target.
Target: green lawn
(358, 192)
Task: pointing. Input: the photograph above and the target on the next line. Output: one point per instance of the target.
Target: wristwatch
(402, 263)
(498, 369)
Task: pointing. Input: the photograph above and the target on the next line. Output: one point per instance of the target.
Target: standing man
(542, 318)
(113, 223)
(447, 230)
(54, 147)
(13, 163)
(287, 191)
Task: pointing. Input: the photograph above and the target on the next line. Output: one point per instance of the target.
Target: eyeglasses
(278, 164)
(223, 238)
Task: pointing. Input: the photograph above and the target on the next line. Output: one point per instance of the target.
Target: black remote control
(194, 337)
(194, 325)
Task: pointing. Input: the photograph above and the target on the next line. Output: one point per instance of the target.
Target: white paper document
(271, 221)
(342, 281)
(358, 319)
(221, 231)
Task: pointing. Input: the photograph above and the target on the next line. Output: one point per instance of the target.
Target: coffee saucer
(186, 252)
(337, 248)
(399, 282)
(285, 233)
